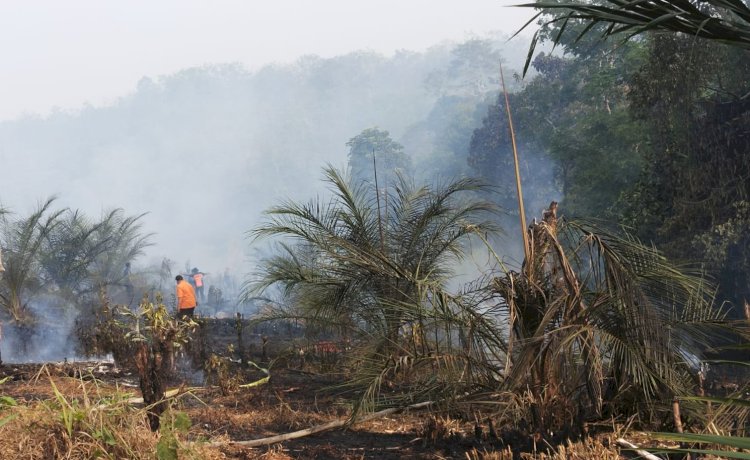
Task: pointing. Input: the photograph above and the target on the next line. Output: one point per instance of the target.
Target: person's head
(178, 278)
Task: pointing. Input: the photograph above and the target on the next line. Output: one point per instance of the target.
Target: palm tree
(120, 239)
(374, 266)
(726, 22)
(68, 252)
(22, 240)
(597, 318)
(79, 255)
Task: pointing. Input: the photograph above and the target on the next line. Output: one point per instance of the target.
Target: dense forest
(650, 134)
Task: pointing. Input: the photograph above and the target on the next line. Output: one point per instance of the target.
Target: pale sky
(67, 53)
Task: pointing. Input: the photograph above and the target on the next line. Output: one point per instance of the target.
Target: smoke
(206, 150)
(50, 338)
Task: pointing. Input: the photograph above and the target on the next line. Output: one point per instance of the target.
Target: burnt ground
(291, 400)
(297, 396)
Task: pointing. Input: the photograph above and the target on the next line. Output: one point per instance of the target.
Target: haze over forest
(204, 151)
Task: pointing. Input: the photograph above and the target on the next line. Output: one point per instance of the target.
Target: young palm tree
(22, 240)
(68, 252)
(118, 238)
(375, 267)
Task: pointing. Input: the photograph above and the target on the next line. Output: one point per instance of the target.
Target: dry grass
(39, 431)
(584, 450)
(82, 420)
(66, 418)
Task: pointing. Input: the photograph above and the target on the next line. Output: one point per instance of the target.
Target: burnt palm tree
(725, 22)
(598, 319)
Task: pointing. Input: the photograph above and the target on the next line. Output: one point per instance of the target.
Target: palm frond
(722, 21)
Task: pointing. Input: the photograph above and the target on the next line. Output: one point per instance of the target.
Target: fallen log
(649, 456)
(319, 428)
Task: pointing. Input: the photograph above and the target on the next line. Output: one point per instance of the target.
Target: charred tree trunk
(154, 367)
(240, 341)
(264, 349)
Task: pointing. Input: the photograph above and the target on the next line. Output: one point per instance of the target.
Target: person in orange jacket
(186, 302)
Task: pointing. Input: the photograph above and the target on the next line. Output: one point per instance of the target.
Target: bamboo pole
(377, 198)
(678, 424)
(521, 211)
(676, 415)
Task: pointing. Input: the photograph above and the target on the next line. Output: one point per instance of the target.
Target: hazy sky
(68, 53)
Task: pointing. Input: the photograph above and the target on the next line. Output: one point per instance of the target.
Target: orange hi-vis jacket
(198, 277)
(185, 295)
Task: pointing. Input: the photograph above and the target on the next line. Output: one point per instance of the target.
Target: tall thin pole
(518, 172)
(377, 198)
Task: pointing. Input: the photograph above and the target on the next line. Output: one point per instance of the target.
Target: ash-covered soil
(291, 400)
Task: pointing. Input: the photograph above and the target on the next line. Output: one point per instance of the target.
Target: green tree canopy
(573, 129)
(388, 155)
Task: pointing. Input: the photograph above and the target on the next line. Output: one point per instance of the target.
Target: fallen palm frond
(724, 446)
(718, 415)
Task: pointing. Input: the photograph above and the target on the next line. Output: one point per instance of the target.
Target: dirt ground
(222, 413)
(291, 400)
